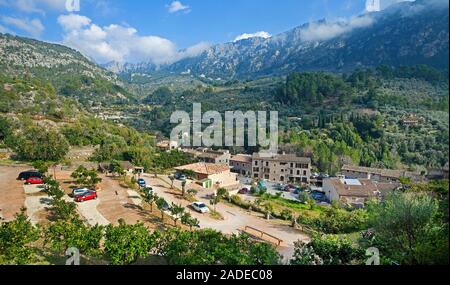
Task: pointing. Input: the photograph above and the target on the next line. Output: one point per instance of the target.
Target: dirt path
(12, 195)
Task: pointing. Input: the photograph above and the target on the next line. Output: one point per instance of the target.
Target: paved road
(235, 218)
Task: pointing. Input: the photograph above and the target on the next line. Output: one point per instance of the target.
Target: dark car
(289, 188)
(318, 196)
(180, 176)
(29, 174)
(244, 191)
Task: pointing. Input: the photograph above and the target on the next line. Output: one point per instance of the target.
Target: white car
(200, 207)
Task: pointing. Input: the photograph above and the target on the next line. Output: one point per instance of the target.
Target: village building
(127, 166)
(376, 174)
(210, 175)
(355, 192)
(167, 145)
(283, 168)
(241, 164)
(207, 155)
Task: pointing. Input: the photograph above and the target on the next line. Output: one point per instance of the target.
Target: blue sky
(103, 29)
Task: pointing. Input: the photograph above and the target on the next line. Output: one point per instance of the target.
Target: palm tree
(269, 210)
(172, 179)
(161, 204)
(214, 201)
(176, 211)
(192, 192)
(189, 221)
(149, 197)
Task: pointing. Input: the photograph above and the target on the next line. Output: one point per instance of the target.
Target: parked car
(29, 174)
(79, 191)
(289, 188)
(200, 207)
(278, 187)
(34, 181)
(141, 182)
(244, 191)
(318, 196)
(86, 196)
(180, 176)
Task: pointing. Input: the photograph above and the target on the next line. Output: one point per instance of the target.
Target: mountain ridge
(406, 33)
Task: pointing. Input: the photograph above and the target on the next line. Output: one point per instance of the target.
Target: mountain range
(404, 34)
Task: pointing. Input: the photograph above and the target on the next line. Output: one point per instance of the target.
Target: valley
(362, 158)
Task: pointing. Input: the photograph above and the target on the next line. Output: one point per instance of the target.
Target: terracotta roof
(283, 158)
(205, 168)
(242, 158)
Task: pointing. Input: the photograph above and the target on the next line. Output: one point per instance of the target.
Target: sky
(163, 31)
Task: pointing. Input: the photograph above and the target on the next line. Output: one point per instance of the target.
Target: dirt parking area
(117, 202)
(12, 195)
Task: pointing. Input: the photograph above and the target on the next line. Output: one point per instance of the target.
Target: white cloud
(73, 21)
(34, 6)
(33, 27)
(177, 6)
(260, 34)
(120, 43)
(322, 31)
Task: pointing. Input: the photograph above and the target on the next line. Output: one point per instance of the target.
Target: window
(304, 173)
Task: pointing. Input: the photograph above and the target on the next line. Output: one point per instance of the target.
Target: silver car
(79, 191)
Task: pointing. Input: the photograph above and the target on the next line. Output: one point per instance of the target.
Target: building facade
(376, 174)
(355, 192)
(282, 168)
(241, 164)
(211, 175)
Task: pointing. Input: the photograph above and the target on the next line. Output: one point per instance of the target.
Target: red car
(86, 196)
(34, 181)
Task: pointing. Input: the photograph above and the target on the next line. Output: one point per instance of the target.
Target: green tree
(37, 143)
(16, 239)
(406, 229)
(85, 177)
(189, 221)
(327, 250)
(161, 204)
(149, 197)
(116, 168)
(64, 234)
(176, 211)
(124, 244)
(5, 128)
(209, 247)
